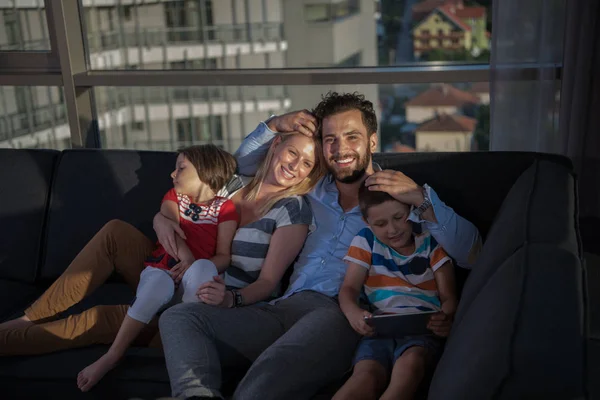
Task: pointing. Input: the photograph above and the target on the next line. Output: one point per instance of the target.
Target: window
(440, 32)
(127, 13)
(166, 118)
(252, 34)
(23, 28)
(317, 12)
(33, 117)
(331, 12)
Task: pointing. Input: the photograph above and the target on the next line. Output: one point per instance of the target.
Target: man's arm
(459, 237)
(255, 146)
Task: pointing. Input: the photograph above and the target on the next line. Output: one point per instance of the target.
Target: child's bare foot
(90, 375)
(16, 323)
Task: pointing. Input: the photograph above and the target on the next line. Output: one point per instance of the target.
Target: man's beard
(347, 175)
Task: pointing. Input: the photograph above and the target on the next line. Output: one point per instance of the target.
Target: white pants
(156, 289)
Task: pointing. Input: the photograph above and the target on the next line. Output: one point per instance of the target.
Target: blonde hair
(300, 188)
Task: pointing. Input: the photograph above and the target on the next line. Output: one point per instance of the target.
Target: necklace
(193, 211)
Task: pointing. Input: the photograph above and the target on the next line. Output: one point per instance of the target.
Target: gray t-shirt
(251, 242)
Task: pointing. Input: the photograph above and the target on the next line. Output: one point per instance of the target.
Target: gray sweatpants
(297, 346)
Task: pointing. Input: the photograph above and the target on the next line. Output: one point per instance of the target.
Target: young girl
(208, 222)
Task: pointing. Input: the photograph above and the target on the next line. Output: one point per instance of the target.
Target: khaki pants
(118, 247)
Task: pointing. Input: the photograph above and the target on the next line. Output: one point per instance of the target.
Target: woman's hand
(356, 317)
(166, 229)
(214, 292)
(179, 269)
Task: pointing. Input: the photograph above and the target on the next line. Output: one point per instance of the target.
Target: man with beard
(302, 341)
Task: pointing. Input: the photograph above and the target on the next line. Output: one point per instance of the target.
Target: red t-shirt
(200, 223)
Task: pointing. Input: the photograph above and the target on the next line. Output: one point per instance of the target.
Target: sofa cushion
(94, 186)
(539, 208)
(522, 337)
(141, 374)
(26, 176)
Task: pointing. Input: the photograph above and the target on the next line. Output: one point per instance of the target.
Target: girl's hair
(214, 165)
(299, 189)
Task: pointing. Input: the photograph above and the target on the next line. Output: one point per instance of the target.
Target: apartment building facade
(186, 34)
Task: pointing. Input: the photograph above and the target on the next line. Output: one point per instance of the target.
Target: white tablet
(397, 325)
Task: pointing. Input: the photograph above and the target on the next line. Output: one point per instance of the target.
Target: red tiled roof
(423, 8)
(443, 95)
(448, 123)
(469, 12)
(450, 12)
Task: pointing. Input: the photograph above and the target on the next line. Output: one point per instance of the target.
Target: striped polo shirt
(397, 283)
(251, 242)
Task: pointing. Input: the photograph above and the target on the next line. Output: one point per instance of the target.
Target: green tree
(482, 130)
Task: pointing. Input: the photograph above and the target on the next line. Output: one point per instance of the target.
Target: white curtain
(525, 103)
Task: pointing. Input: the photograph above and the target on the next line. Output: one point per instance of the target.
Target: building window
(199, 130)
(441, 32)
(425, 32)
(11, 26)
(331, 12)
(127, 13)
(137, 126)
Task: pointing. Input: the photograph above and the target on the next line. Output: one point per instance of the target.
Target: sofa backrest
(518, 331)
(473, 184)
(94, 186)
(26, 177)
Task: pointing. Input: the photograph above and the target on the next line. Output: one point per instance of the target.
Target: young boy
(398, 270)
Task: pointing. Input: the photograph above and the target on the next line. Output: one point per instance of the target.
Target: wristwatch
(424, 205)
(238, 300)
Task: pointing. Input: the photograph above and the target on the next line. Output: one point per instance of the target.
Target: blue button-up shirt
(320, 266)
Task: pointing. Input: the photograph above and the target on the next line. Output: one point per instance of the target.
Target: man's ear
(373, 140)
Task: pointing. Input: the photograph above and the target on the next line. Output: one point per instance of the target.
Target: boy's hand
(179, 269)
(441, 323)
(212, 292)
(356, 317)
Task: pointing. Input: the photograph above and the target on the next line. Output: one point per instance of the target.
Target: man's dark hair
(370, 198)
(334, 103)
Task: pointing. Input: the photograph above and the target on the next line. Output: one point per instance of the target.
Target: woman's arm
(284, 247)
(167, 230)
(222, 257)
(348, 298)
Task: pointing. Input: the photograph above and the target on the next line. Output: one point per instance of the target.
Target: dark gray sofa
(520, 327)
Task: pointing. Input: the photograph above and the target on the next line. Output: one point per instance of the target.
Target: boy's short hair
(370, 198)
(214, 165)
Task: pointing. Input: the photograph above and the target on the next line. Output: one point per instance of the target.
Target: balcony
(164, 36)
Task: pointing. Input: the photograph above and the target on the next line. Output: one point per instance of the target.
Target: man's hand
(166, 230)
(397, 185)
(213, 292)
(296, 121)
(179, 269)
(356, 317)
